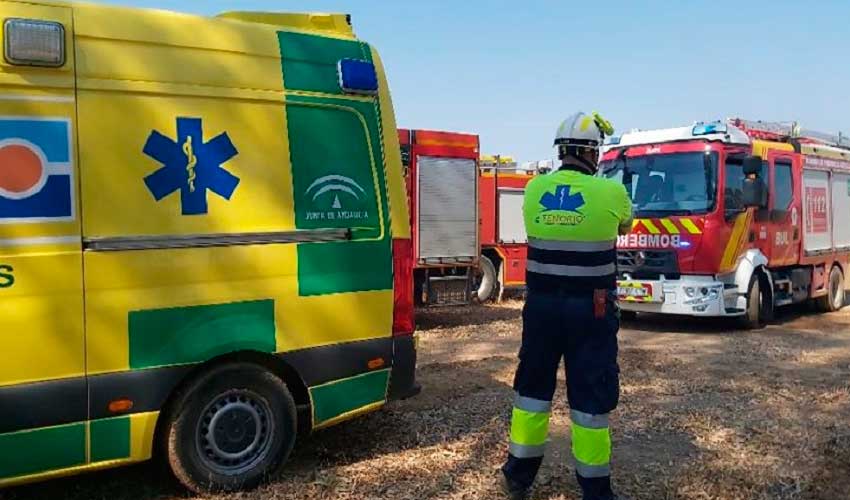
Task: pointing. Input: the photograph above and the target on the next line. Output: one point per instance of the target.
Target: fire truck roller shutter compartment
(448, 229)
(841, 210)
(511, 224)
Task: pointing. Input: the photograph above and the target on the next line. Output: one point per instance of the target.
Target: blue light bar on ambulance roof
(710, 128)
(358, 77)
(613, 140)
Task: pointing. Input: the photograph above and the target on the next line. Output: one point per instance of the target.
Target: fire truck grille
(648, 264)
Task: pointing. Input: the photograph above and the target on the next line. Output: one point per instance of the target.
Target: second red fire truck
(502, 229)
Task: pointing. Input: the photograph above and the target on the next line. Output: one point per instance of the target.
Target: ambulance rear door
(43, 387)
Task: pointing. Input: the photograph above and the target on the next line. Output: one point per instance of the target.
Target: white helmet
(582, 131)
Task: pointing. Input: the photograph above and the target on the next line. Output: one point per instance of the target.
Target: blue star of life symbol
(191, 165)
(562, 200)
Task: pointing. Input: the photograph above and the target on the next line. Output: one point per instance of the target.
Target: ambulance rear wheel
(834, 300)
(487, 281)
(231, 429)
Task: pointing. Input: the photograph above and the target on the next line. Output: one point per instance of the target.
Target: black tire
(758, 306)
(629, 316)
(487, 281)
(256, 429)
(834, 299)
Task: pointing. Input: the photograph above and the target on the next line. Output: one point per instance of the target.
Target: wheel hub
(235, 432)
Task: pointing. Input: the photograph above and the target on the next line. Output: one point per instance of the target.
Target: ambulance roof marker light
(357, 77)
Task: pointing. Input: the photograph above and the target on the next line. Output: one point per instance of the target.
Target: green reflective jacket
(566, 205)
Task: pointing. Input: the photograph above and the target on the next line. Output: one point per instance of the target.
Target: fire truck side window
(734, 191)
(784, 188)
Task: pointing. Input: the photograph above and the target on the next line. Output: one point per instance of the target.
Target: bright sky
(512, 71)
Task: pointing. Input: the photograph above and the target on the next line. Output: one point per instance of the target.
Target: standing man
(572, 219)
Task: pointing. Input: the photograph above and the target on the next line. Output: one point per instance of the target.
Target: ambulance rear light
(403, 314)
(710, 128)
(34, 43)
(358, 77)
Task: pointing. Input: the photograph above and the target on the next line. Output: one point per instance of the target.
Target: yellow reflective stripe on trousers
(591, 446)
(529, 428)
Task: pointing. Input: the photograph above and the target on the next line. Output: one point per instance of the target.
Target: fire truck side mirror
(755, 183)
(752, 166)
(754, 192)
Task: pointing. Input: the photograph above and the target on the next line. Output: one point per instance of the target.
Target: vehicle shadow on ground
(657, 323)
(474, 315)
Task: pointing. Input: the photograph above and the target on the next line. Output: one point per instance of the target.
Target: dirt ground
(706, 413)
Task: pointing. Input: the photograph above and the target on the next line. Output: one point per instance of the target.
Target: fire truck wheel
(834, 300)
(487, 281)
(758, 306)
(629, 316)
(230, 429)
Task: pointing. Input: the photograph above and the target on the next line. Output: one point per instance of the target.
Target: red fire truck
(502, 229)
(466, 217)
(733, 219)
(441, 169)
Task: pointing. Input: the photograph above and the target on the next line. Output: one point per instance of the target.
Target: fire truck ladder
(794, 130)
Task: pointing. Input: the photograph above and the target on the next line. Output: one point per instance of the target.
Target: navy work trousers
(557, 326)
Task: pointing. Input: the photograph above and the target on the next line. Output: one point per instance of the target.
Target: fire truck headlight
(702, 295)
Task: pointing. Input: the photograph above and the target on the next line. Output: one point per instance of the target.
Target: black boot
(514, 490)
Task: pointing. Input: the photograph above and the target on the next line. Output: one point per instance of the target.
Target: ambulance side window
(334, 170)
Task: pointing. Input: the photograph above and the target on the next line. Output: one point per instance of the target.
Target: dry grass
(706, 414)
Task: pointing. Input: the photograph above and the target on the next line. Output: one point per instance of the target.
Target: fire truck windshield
(667, 184)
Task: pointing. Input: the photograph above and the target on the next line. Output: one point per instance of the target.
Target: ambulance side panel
(235, 200)
(42, 374)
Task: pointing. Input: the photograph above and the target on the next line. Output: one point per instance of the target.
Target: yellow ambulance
(204, 239)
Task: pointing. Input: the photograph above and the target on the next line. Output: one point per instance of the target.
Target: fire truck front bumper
(690, 295)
